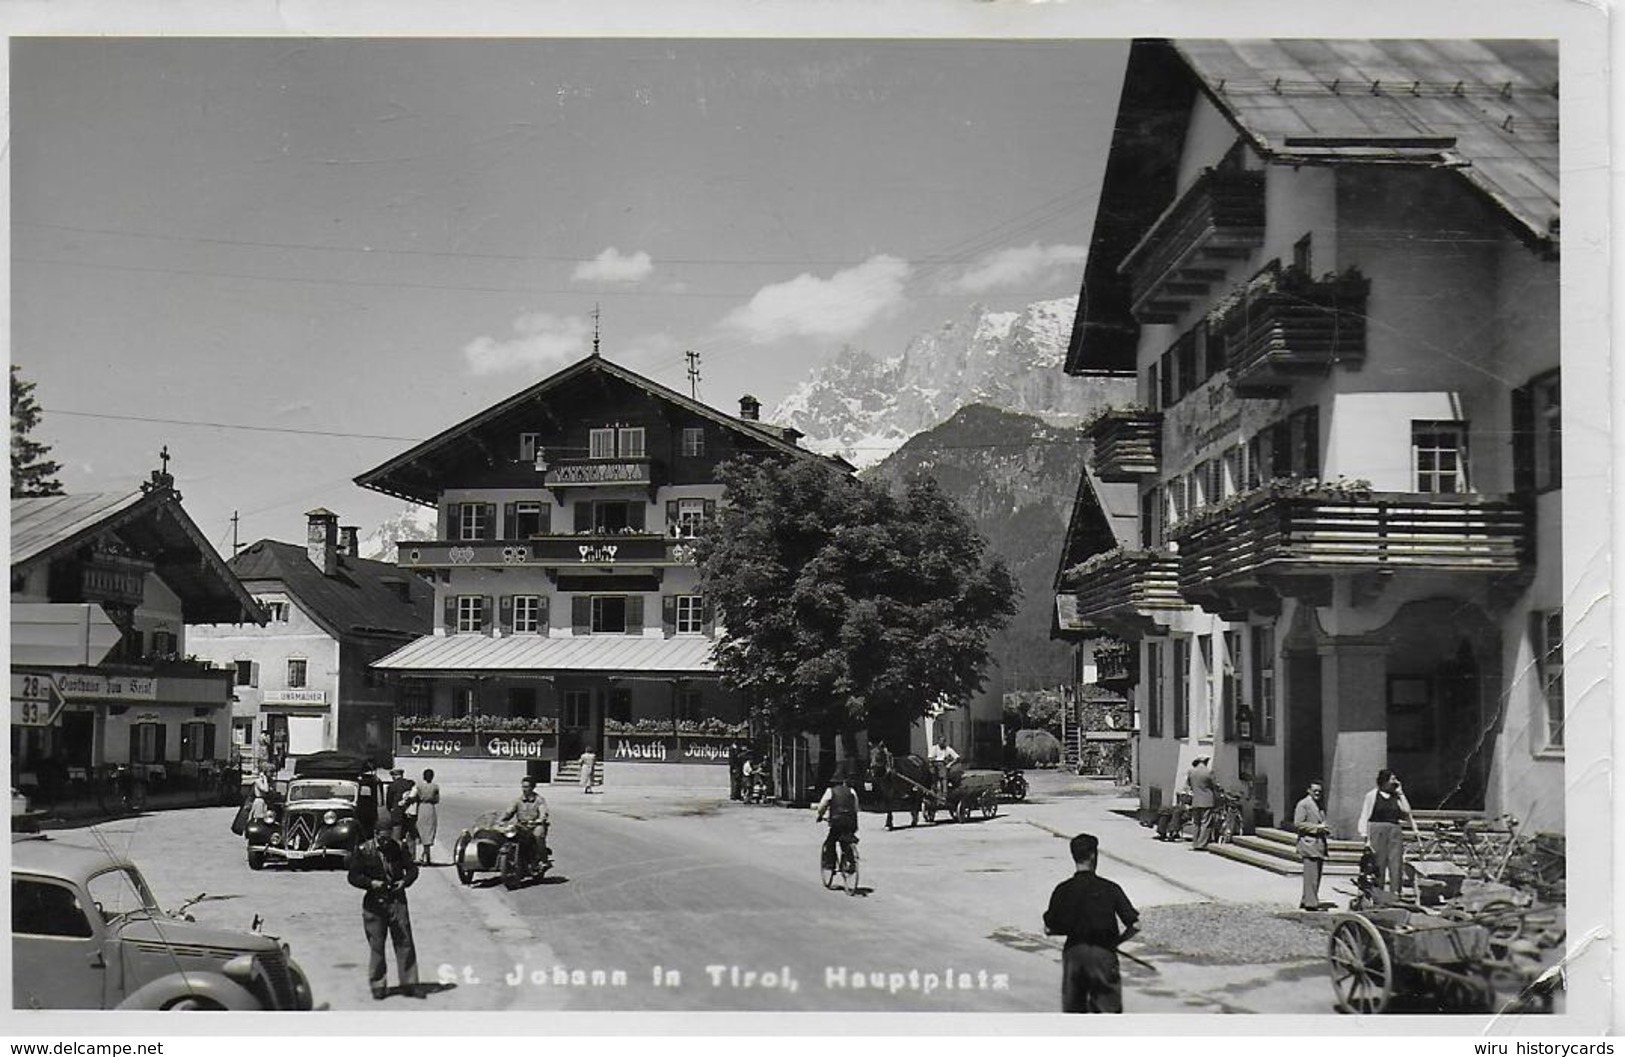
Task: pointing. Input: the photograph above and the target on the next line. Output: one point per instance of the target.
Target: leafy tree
(847, 607)
(32, 474)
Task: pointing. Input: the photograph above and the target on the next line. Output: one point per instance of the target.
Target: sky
(304, 255)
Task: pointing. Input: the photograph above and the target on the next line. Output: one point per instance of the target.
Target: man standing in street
(1384, 809)
(383, 869)
(399, 785)
(736, 771)
(1202, 801)
(1086, 909)
(1310, 822)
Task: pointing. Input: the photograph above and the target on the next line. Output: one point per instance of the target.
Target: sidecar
(489, 846)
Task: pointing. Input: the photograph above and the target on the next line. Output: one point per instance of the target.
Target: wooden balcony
(594, 550)
(1117, 664)
(1124, 589)
(563, 475)
(1284, 326)
(1127, 443)
(1271, 545)
(1218, 220)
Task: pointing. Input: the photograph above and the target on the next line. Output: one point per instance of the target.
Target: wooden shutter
(135, 743)
(505, 612)
(544, 519)
(186, 740)
(510, 521)
(637, 516)
(1166, 382)
(1309, 425)
(1281, 450)
(584, 515)
(160, 736)
(581, 614)
(449, 613)
(708, 617)
(488, 530)
(454, 521)
(543, 620)
(208, 742)
(634, 615)
(1523, 439)
(671, 517)
(668, 614)
(487, 613)
(254, 673)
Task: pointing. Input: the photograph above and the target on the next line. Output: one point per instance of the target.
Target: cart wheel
(1504, 921)
(464, 874)
(962, 810)
(1362, 974)
(990, 805)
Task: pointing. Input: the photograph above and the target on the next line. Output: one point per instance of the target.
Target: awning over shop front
(596, 654)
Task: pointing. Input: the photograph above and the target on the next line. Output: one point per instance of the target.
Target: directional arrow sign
(35, 699)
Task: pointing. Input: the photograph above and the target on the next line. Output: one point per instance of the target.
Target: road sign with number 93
(35, 700)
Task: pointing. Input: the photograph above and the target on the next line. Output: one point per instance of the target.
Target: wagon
(967, 792)
(1382, 952)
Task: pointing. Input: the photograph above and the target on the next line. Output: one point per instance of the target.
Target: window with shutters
(296, 672)
(1230, 680)
(1182, 688)
(1149, 535)
(1204, 652)
(1256, 460)
(1264, 683)
(690, 615)
(1439, 456)
(197, 741)
(1305, 432)
(146, 743)
(1546, 637)
(690, 517)
(1537, 425)
(530, 519)
(693, 441)
(471, 521)
(527, 614)
(616, 614)
(1155, 688)
(245, 673)
(618, 516)
(1234, 477)
(470, 613)
(601, 444)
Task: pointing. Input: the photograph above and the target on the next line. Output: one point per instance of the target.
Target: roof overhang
(624, 656)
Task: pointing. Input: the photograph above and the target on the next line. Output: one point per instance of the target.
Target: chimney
(322, 540)
(750, 408)
(350, 540)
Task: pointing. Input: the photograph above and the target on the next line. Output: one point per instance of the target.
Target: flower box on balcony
(1284, 325)
(1294, 539)
(1123, 588)
(1127, 442)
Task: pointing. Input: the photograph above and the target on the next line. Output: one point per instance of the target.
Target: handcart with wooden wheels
(1383, 952)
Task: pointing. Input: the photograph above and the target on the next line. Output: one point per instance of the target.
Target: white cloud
(611, 267)
(837, 307)
(1022, 264)
(540, 341)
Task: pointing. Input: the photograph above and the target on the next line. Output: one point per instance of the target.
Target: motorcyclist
(530, 811)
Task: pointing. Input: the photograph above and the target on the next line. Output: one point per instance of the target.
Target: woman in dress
(428, 812)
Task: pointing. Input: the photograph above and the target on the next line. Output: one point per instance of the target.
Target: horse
(899, 781)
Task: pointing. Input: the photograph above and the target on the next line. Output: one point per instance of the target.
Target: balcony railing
(596, 473)
(1221, 217)
(1127, 443)
(1294, 544)
(1284, 325)
(1124, 588)
(593, 549)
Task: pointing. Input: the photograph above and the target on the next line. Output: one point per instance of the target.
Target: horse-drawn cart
(911, 784)
(1383, 951)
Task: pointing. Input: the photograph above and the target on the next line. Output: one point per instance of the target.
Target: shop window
(620, 704)
(689, 704)
(1546, 637)
(522, 702)
(1439, 457)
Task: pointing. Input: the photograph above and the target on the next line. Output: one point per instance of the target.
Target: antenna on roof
(693, 374)
(597, 315)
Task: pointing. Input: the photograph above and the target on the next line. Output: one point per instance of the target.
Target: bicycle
(848, 867)
(1229, 823)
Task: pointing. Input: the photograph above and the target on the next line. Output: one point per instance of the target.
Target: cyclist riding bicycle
(841, 804)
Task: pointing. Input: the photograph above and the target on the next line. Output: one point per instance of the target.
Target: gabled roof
(362, 599)
(385, 478)
(1485, 111)
(1105, 515)
(152, 523)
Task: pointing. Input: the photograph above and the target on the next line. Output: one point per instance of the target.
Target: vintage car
(327, 809)
(86, 933)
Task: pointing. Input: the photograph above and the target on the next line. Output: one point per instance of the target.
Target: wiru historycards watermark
(946, 980)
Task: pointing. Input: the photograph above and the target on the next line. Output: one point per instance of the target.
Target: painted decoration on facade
(467, 746)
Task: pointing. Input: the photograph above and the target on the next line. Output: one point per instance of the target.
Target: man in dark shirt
(1086, 909)
(383, 869)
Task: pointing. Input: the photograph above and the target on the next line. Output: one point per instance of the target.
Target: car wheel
(464, 874)
(256, 859)
(194, 1004)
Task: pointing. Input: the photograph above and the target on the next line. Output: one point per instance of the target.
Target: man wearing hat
(1202, 802)
(394, 794)
(383, 869)
(1085, 909)
(840, 803)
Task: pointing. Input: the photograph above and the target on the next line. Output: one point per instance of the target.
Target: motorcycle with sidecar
(488, 845)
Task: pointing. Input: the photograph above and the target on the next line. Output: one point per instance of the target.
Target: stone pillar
(1354, 687)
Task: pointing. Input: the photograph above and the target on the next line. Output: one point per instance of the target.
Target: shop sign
(466, 746)
(109, 687)
(656, 748)
(294, 697)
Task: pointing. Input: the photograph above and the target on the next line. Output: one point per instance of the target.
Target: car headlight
(240, 968)
(329, 818)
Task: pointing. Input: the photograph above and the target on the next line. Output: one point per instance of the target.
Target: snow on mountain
(863, 408)
(414, 522)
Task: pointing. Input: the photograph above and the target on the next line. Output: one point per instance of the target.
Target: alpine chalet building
(1332, 268)
(568, 614)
